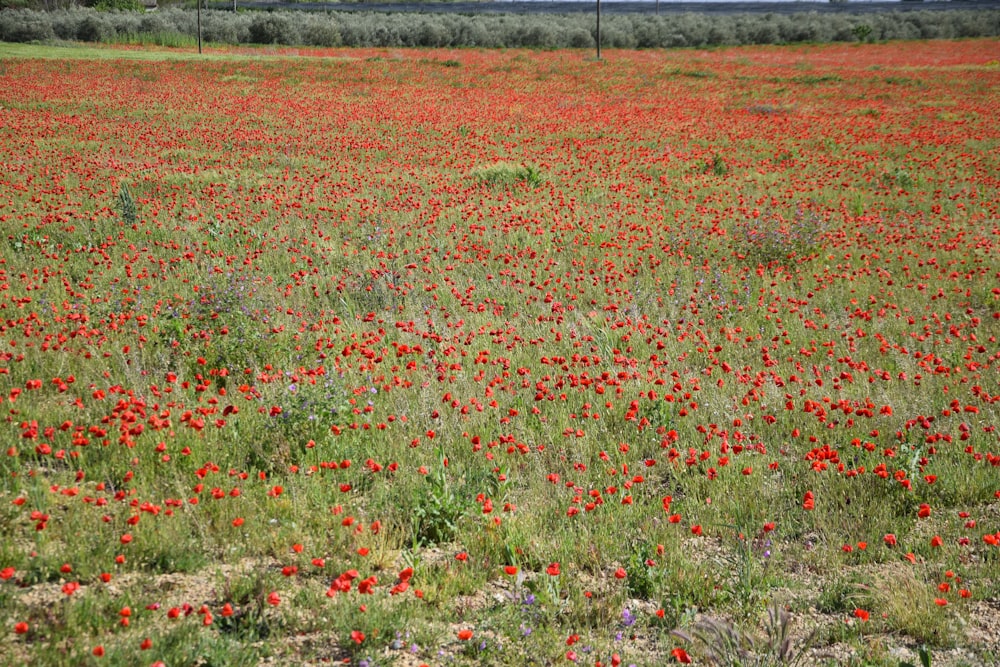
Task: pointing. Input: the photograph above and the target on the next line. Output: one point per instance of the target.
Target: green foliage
(95, 28)
(320, 31)
(25, 26)
(126, 206)
(505, 175)
(274, 28)
(248, 595)
(308, 406)
(438, 509)
(925, 658)
(907, 599)
(541, 31)
(897, 178)
(119, 6)
(839, 596)
(717, 165)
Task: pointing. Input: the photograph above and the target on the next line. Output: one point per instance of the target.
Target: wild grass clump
(726, 645)
(504, 174)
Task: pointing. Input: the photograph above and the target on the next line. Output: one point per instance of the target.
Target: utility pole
(598, 29)
(199, 26)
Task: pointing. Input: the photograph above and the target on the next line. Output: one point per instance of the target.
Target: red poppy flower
(681, 656)
(809, 501)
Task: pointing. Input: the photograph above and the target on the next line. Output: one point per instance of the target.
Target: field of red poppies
(500, 357)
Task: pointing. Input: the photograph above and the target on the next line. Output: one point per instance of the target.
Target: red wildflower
(809, 501)
(681, 656)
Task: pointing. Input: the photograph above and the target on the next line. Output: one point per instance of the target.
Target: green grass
(151, 53)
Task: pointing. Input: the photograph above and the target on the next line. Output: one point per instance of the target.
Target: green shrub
(154, 23)
(431, 33)
(186, 22)
(63, 24)
(386, 35)
(94, 28)
(273, 28)
(483, 31)
(618, 35)
(475, 35)
(119, 6)
(579, 38)
(321, 32)
(224, 28)
(24, 26)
